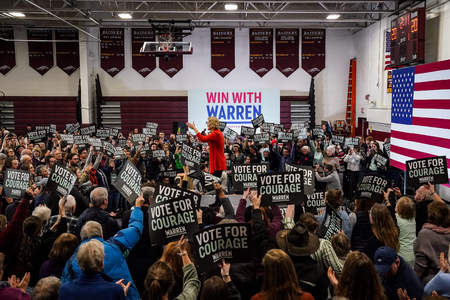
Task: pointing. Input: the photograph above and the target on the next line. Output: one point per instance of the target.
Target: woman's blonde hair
(213, 122)
(90, 256)
(383, 226)
(280, 277)
(406, 208)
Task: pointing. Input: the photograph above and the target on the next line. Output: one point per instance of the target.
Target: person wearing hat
(396, 274)
(300, 245)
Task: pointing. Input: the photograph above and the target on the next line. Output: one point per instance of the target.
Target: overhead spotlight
(16, 14)
(125, 16)
(333, 16)
(231, 6)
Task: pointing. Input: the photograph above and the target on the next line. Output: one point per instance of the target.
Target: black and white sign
(315, 202)
(128, 182)
(90, 130)
(68, 138)
(169, 173)
(308, 176)
(114, 132)
(222, 125)
(258, 121)
(297, 126)
(262, 138)
(118, 153)
(372, 186)
(72, 128)
(190, 156)
(151, 125)
(281, 188)
(109, 149)
(172, 214)
(301, 133)
(285, 137)
(387, 148)
(276, 128)
(81, 140)
(16, 183)
(247, 131)
(331, 225)
(337, 139)
(61, 180)
(151, 132)
(181, 138)
(96, 143)
(224, 241)
(380, 161)
(158, 153)
(245, 176)
(351, 141)
(103, 133)
(266, 126)
(122, 142)
(424, 170)
(138, 138)
(230, 134)
(318, 132)
(37, 136)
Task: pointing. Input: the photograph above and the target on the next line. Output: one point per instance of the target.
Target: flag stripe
(425, 139)
(399, 161)
(413, 154)
(436, 66)
(432, 85)
(432, 104)
(430, 149)
(431, 113)
(437, 75)
(432, 95)
(420, 130)
(431, 122)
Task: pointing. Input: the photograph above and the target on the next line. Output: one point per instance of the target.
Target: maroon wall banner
(143, 63)
(313, 50)
(261, 50)
(222, 50)
(112, 50)
(171, 65)
(287, 50)
(7, 50)
(67, 53)
(40, 54)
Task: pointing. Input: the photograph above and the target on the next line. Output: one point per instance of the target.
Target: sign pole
(404, 182)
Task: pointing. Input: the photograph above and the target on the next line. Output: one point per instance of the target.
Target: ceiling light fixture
(17, 14)
(333, 16)
(125, 16)
(231, 6)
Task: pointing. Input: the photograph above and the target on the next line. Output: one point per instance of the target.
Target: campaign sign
(52, 129)
(308, 176)
(318, 132)
(16, 183)
(285, 137)
(118, 152)
(222, 125)
(262, 138)
(229, 134)
(165, 192)
(122, 142)
(158, 153)
(266, 126)
(276, 128)
(109, 149)
(169, 173)
(245, 176)
(424, 170)
(190, 156)
(171, 216)
(258, 121)
(71, 128)
(181, 138)
(297, 126)
(315, 202)
(96, 143)
(301, 133)
(224, 241)
(337, 139)
(90, 130)
(281, 188)
(61, 180)
(68, 138)
(247, 131)
(387, 148)
(37, 136)
(331, 225)
(128, 182)
(372, 186)
(149, 131)
(351, 141)
(114, 132)
(42, 127)
(151, 125)
(103, 133)
(81, 140)
(380, 161)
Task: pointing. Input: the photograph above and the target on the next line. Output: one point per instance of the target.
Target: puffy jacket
(116, 250)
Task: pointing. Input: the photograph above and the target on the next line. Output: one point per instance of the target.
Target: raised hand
(332, 277)
(124, 287)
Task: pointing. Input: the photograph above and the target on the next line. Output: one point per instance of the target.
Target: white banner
(235, 107)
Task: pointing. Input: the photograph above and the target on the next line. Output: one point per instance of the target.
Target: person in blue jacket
(116, 250)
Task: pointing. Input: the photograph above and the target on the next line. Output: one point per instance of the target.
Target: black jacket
(311, 277)
(109, 225)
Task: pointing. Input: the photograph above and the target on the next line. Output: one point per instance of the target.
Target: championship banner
(171, 65)
(287, 50)
(372, 186)
(245, 176)
(308, 176)
(315, 202)
(143, 63)
(61, 180)
(247, 131)
(262, 138)
(7, 50)
(222, 50)
(90, 130)
(16, 183)
(40, 54)
(235, 107)
(261, 50)
(223, 241)
(331, 225)
(190, 156)
(313, 50)
(67, 53)
(171, 216)
(37, 136)
(112, 50)
(424, 170)
(128, 182)
(280, 188)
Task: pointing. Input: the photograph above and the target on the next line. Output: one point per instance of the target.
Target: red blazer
(216, 142)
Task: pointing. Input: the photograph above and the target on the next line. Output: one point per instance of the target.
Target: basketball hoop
(165, 41)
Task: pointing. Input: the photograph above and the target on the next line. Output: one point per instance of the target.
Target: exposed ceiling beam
(244, 1)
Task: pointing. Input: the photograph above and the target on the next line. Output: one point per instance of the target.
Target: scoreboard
(408, 38)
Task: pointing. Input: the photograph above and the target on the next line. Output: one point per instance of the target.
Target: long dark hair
(159, 281)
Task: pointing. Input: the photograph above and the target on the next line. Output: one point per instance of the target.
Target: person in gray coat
(331, 178)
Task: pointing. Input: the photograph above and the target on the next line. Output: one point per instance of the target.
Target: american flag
(387, 52)
(420, 119)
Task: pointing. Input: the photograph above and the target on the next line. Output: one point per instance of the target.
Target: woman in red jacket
(215, 140)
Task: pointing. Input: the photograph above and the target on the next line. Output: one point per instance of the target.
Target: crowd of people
(94, 244)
